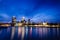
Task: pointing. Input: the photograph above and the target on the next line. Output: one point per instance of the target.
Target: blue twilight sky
(36, 10)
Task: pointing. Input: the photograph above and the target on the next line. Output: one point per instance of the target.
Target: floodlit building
(23, 20)
(13, 21)
(29, 22)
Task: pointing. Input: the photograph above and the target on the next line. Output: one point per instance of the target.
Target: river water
(29, 33)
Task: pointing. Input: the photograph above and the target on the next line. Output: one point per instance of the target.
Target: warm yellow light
(19, 24)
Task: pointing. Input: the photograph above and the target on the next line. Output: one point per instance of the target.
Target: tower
(13, 21)
(23, 20)
(28, 21)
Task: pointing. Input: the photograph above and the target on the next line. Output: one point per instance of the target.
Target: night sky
(36, 10)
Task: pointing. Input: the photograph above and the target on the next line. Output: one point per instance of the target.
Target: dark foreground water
(29, 33)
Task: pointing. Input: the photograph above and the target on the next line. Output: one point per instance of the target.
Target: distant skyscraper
(23, 20)
(13, 21)
(29, 21)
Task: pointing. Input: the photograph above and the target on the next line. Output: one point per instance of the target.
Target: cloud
(41, 17)
(6, 16)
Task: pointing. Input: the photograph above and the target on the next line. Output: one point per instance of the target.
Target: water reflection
(29, 33)
(12, 33)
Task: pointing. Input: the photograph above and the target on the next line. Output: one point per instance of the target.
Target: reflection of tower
(13, 20)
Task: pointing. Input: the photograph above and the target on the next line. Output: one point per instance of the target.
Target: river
(29, 33)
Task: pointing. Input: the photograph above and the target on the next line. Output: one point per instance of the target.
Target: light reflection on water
(29, 33)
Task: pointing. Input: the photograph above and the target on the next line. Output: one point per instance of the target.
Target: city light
(24, 22)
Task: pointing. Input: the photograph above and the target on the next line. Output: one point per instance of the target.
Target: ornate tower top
(23, 18)
(13, 17)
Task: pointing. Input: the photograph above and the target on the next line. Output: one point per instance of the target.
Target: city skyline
(26, 19)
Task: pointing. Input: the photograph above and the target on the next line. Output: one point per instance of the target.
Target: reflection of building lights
(26, 30)
(23, 32)
(19, 31)
(13, 33)
(31, 31)
(44, 30)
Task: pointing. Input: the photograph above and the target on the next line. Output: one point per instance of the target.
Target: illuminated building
(44, 23)
(5, 24)
(13, 21)
(29, 21)
(23, 20)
